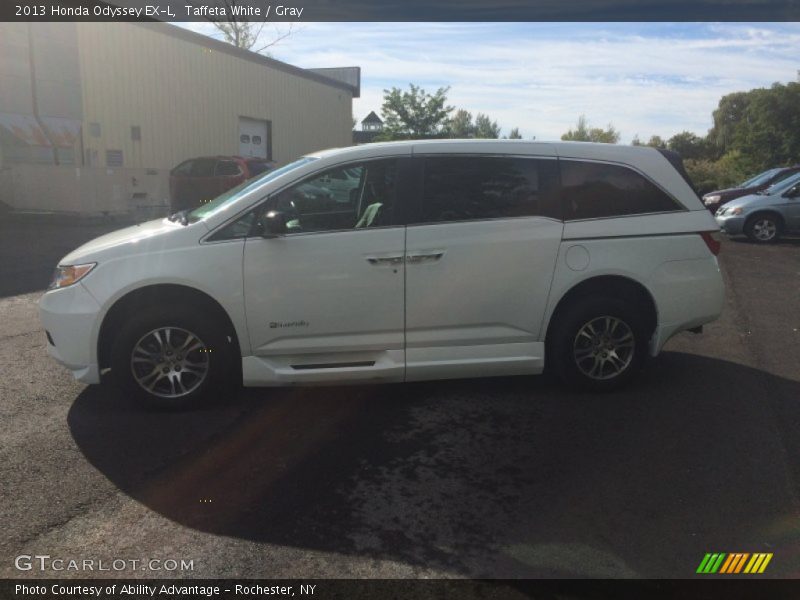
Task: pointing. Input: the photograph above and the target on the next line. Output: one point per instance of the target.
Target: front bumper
(732, 225)
(69, 316)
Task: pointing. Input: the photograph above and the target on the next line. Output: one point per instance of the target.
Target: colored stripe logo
(734, 563)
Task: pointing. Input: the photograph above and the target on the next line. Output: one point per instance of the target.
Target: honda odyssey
(442, 259)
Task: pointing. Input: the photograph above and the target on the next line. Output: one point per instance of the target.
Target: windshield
(232, 195)
(759, 179)
(782, 186)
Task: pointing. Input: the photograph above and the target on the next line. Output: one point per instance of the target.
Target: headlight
(65, 275)
(713, 199)
(735, 211)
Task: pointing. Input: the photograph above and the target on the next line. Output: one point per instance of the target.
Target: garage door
(254, 138)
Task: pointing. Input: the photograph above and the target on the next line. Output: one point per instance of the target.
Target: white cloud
(645, 78)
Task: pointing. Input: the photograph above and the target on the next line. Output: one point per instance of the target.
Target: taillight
(712, 240)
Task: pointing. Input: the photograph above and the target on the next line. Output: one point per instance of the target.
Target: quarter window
(595, 190)
(352, 197)
(470, 188)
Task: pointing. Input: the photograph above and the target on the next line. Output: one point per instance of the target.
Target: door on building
(255, 138)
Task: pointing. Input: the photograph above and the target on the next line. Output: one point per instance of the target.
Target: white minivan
(443, 259)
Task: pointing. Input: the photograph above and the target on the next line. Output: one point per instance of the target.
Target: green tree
(727, 117)
(636, 141)
(460, 125)
(656, 142)
(414, 114)
(485, 127)
(769, 134)
(514, 134)
(583, 132)
(762, 125)
(690, 146)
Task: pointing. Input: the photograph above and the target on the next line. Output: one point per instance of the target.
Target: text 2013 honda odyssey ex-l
(444, 259)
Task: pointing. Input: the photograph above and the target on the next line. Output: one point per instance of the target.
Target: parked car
(713, 200)
(451, 258)
(765, 216)
(199, 180)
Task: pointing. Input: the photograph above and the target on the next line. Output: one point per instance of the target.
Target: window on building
(471, 187)
(257, 140)
(113, 158)
(592, 190)
(244, 138)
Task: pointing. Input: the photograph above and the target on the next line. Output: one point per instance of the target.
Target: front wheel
(171, 358)
(598, 344)
(763, 229)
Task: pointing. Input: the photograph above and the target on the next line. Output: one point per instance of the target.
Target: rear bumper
(69, 316)
(688, 293)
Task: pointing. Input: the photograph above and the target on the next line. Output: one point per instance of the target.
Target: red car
(199, 180)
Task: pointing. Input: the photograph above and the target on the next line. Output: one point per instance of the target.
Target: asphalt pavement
(495, 477)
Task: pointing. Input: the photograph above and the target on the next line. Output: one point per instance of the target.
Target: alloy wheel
(603, 347)
(170, 362)
(764, 229)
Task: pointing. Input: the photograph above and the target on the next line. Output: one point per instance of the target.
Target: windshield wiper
(181, 215)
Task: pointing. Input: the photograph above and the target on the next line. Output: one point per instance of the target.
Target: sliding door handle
(422, 257)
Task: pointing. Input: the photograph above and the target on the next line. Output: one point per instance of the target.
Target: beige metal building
(94, 115)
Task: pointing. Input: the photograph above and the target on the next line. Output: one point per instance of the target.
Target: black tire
(565, 346)
(213, 353)
(763, 228)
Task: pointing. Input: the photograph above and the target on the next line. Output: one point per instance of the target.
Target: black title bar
(401, 10)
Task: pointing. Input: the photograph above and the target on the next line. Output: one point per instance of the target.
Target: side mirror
(274, 224)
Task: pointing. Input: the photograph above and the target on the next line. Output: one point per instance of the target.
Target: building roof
(372, 118)
(219, 46)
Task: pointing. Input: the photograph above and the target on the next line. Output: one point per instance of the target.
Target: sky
(644, 78)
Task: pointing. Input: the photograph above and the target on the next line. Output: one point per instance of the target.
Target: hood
(142, 236)
(729, 193)
(753, 200)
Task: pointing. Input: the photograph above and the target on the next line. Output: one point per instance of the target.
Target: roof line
(211, 43)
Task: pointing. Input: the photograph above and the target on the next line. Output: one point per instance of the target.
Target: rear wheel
(763, 228)
(598, 344)
(171, 358)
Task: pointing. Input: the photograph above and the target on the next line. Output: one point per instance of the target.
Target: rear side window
(476, 187)
(595, 190)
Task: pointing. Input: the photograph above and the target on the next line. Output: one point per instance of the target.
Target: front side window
(228, 168)
(595, 190)
(352, 197)
(185, 168)
(476, 187)
(227, 200)
(203, 167)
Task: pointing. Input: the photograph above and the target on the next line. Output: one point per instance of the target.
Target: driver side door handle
(385, 260)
